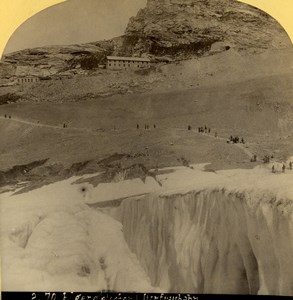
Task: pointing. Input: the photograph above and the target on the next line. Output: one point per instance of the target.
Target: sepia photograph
(146, 146)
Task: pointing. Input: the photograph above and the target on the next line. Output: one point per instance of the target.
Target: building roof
(128, 58)
(27, 76)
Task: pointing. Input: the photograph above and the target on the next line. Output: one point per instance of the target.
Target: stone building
(120, 62)
(27, 79)
(26, 74)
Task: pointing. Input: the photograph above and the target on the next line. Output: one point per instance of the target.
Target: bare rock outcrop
(186, 28)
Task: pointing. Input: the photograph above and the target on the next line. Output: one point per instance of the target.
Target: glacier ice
(54, 242)
(231, 233)
(201, 232)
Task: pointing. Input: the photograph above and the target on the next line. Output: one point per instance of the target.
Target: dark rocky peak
(183, 28)
(165, 30)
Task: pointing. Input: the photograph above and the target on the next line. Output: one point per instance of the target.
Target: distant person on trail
(155, 126)
(189, 127)
(273, 169)
(283, 168)
(137, 126)
(9, 117)
(266, 159)
(254, 157)
(290, 165)
(209, 130)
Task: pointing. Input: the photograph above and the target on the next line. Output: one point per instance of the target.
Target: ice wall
(203, 232)
(51, 241)
(213, 240)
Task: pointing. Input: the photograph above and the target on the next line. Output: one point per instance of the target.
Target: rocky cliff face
(194, 27)
(179, 28)
(165, 30)
(45, 61)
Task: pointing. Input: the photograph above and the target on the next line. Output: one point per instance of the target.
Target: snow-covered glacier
(186, 230)
(52, 241)
(213, 241)
(231, 233)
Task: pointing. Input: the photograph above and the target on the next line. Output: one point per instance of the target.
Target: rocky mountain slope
(194, 27)
(56, 59)
(180, 29)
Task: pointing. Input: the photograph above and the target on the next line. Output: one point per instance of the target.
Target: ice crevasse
(197, 232)
(216, 238)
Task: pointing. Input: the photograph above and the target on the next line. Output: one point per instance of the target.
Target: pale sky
(73, 22)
